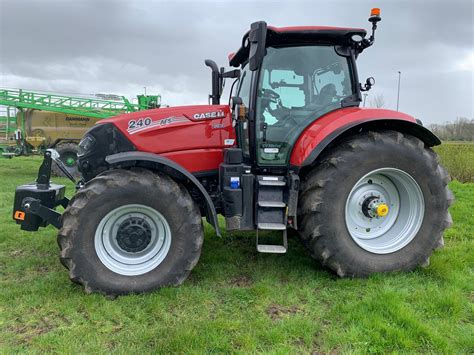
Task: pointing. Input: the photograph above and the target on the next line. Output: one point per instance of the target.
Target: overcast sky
(106, 46)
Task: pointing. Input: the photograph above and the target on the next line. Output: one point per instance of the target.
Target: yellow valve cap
(382, 210)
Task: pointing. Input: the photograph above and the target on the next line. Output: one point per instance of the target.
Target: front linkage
(35, 203)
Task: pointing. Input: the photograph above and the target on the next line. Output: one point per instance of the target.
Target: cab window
(296, 86)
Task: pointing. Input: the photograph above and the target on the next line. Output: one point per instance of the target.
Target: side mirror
(257, 38)
(369, 82)
(356, 38)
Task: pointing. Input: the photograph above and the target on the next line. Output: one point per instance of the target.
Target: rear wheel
(68, 155)
(130, 231)
(377, 202)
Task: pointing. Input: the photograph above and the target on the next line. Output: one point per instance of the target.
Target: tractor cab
(291, 76)
(305, 73)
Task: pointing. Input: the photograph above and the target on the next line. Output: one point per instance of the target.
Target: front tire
(377, 202)
(130, 231)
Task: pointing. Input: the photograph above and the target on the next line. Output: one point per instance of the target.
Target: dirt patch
(241, 281)
(299, 342)
(276, 311)
(30, 331)
(18, 253)
(42, 269)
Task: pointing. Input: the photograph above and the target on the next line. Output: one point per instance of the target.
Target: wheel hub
(384, 210)
(132, 239)
(381, 210)
(375, 207)
(134, 235)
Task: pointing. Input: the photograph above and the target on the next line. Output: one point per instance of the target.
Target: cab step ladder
(271, 211)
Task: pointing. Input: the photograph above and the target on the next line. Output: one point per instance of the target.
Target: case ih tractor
(291, 150)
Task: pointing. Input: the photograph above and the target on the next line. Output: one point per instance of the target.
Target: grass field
(458, 158)
(237, 300)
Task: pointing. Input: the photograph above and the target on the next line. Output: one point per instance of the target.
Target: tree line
(462, 129)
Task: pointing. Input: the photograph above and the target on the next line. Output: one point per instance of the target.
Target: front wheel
(377, 202)
(130, 231)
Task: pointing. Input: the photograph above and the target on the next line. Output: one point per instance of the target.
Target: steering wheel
(281, 113)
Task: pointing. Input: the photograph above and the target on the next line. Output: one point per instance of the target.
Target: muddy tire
(377, 202)
(68, 155)
(130, 231)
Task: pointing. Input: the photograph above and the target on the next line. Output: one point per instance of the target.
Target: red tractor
(291, 150)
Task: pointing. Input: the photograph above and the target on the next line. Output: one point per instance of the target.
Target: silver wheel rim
(132, 239)
(404, 199)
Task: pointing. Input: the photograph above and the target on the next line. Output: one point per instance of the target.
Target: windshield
(296, 86)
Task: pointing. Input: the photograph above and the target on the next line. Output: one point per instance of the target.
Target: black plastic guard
(42, 202)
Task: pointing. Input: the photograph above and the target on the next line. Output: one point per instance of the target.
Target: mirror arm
(230, 74)
(44, 172)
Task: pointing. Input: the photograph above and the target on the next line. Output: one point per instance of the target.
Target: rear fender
(328, 129)
(159, 163)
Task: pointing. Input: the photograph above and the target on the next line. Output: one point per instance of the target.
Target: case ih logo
(209, 115)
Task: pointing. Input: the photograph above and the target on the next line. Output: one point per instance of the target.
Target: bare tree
(378, 101)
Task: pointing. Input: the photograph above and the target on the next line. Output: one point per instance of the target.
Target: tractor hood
(192, 136)
(173, 128)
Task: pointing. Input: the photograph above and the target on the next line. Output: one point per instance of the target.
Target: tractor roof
(297, 35)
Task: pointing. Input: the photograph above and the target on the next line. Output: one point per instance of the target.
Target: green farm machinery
(31, 122)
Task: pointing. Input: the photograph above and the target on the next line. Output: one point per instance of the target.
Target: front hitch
(34, 204)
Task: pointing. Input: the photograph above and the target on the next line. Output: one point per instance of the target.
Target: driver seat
(326, 95)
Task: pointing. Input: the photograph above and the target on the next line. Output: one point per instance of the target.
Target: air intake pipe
(215, 96)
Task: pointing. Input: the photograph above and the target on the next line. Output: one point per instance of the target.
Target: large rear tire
(130, 231)
(377, 202)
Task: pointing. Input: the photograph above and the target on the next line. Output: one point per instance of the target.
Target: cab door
(296, 86)
(242, 127)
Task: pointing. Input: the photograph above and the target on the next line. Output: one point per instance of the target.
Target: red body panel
(192, 136)
(315, 133)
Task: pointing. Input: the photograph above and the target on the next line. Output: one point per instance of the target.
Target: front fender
(171, 168)
(317, 136)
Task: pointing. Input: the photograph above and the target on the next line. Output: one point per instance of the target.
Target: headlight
(85, 145)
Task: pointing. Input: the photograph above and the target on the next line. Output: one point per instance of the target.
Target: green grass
(458, 158)
(237, 300)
